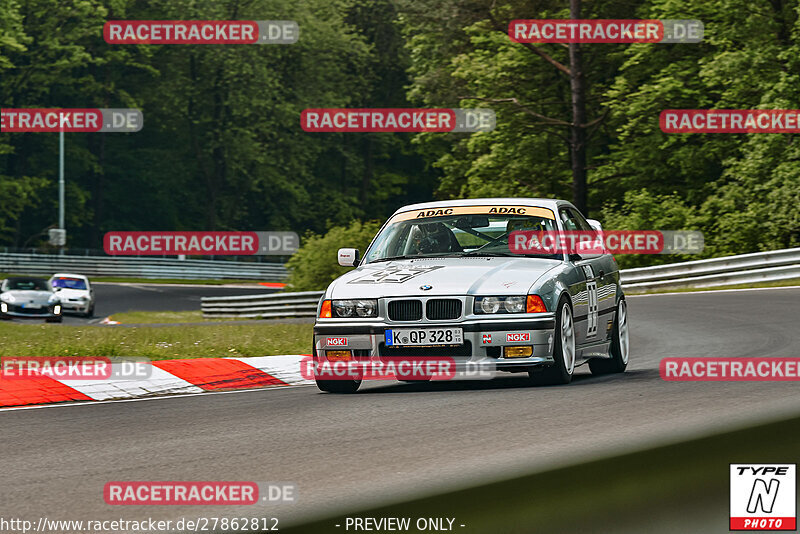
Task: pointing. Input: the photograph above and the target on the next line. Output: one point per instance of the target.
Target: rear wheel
(563, 350)
(620, 348)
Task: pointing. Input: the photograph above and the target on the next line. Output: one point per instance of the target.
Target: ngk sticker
(518, 336)
(486, 339)
(763, 497)
(336, 342)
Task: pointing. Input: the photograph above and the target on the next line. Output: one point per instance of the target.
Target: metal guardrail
(769, 266)
(717, 272)
(140, 267)
(300, 304)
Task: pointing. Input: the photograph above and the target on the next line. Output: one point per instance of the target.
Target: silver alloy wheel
(622, 331)
(567, 339)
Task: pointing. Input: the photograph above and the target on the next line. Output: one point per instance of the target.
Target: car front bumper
(76, 306)
(23, 313)
(484, 340)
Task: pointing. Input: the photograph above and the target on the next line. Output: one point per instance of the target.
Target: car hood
(26, 296)
(445, 276)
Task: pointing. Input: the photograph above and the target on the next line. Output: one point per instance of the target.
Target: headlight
(367, 308)
(355, 308)
(511, 304)
(7, 297)
(514, 304)
(490, 305)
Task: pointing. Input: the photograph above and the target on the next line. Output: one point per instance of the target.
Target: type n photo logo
(763, 497)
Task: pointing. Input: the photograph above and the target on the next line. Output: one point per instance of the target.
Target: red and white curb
(168, 377)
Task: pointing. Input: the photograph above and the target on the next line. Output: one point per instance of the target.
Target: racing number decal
(591, 297)
(591, 322)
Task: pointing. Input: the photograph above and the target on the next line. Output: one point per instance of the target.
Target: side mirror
(595, 224)
(348, 257)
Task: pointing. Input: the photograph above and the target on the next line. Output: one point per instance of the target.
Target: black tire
(89, 312)
(619, 351)
(334, 386)
(54, 319)
(338, 386)
(558, 372)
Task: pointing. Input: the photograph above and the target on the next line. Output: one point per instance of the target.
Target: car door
(606, 274)
(587, 299)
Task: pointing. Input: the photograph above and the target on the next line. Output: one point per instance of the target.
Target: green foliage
(315, 265)
(643, 210)
(741, 190)
(222, 147)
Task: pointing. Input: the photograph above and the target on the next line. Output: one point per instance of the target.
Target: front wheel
(563, 351)
(620, 348)
(338, 386)
(333, 386)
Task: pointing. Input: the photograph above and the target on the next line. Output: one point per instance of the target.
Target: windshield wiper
(411, 257)
(475, 253)
(392, 258)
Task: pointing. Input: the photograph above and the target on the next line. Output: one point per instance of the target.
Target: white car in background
(75, 292)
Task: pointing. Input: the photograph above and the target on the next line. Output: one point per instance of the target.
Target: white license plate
(423, 336)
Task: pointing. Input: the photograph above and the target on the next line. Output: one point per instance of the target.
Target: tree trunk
(366, 178)
(577, 130)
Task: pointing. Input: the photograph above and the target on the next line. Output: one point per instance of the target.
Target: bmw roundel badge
(425, 287)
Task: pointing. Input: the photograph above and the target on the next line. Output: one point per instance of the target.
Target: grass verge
(168, 342)
(168, 317)
(159, 317)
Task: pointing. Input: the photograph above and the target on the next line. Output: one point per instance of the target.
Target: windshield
(25, 284)
(453, 236)
(69, 283)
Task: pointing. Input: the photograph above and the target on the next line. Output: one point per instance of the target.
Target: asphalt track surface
(117, 298)
(391, 440)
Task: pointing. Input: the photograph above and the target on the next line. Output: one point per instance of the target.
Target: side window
(568, 220)
(582, 223)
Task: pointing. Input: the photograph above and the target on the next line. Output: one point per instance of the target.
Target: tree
(553, 94)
